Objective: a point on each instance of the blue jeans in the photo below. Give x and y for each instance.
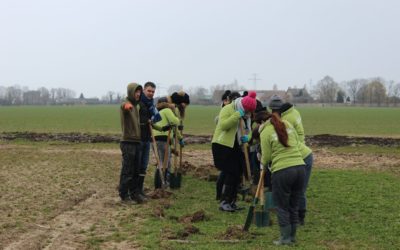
(161, 146)
(145, 156)
(303, 199)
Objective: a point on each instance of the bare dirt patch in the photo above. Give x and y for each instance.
(195, 217)
(182, 234)
(326, 159)
(314, 140)
(56, 200)
(235, 233)
(159, 194)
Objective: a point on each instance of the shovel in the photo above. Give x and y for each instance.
(176, 177)
(250, 214)
(159, 181)
(245, 189)
(162, 175)
(261, 215)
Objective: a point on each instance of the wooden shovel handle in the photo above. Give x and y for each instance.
(176, 145)
(154, 145)
(180, 147)
(245, 151)
(155, 150)
(166, 155)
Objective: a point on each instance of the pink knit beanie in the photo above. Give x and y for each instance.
(249, 102)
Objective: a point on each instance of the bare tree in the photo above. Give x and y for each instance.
(110, 95)
(44, 95)
(353, 87)
(14, 95)
(362, 93)
(377, 92)
(53, 93)
(327, 89)
(390, 88)
(2, 92)
(396, 93)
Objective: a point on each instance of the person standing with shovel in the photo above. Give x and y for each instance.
(226, 150)
(280, 146)
(148, 115)
(167, 123)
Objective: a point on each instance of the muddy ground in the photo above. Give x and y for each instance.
(314, 140)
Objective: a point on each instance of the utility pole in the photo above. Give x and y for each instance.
(255, 79)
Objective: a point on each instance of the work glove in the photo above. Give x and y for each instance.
(259, 156)
(182, 142)
(180, 127)
(166, 128)
(128, 106)
(244, 138)
(241, 112)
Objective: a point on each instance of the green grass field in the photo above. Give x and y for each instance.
(199, 120)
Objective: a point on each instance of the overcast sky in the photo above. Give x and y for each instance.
(94, 46)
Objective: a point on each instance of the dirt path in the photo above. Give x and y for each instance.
(65, 231)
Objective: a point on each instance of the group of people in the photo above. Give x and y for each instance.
(142, 119)
(276, 140)
(277, 144)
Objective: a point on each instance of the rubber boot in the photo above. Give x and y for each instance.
(140, 186)
(285, 238)
(226, 200)
(302, 215)
(293, 233)
(134, 192)
(136, 197)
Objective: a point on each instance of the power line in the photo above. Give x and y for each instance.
(255, 79)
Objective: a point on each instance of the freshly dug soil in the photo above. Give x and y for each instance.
(195, 217)
(314, 140)
(235, 233)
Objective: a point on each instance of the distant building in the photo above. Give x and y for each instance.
(265, 95)
(80, 101)
(298, 95)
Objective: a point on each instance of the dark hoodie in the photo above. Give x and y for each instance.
(130, 121)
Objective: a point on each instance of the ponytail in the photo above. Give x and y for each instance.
(280, 129)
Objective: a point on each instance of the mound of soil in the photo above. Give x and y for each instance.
(188, 230)
(315, 140)
(195, 217)
(339, 141)
(158, 210)
(235, 233)
(159, 194)
(168, 233)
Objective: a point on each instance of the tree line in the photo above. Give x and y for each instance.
(372, 92)
(16, 95)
